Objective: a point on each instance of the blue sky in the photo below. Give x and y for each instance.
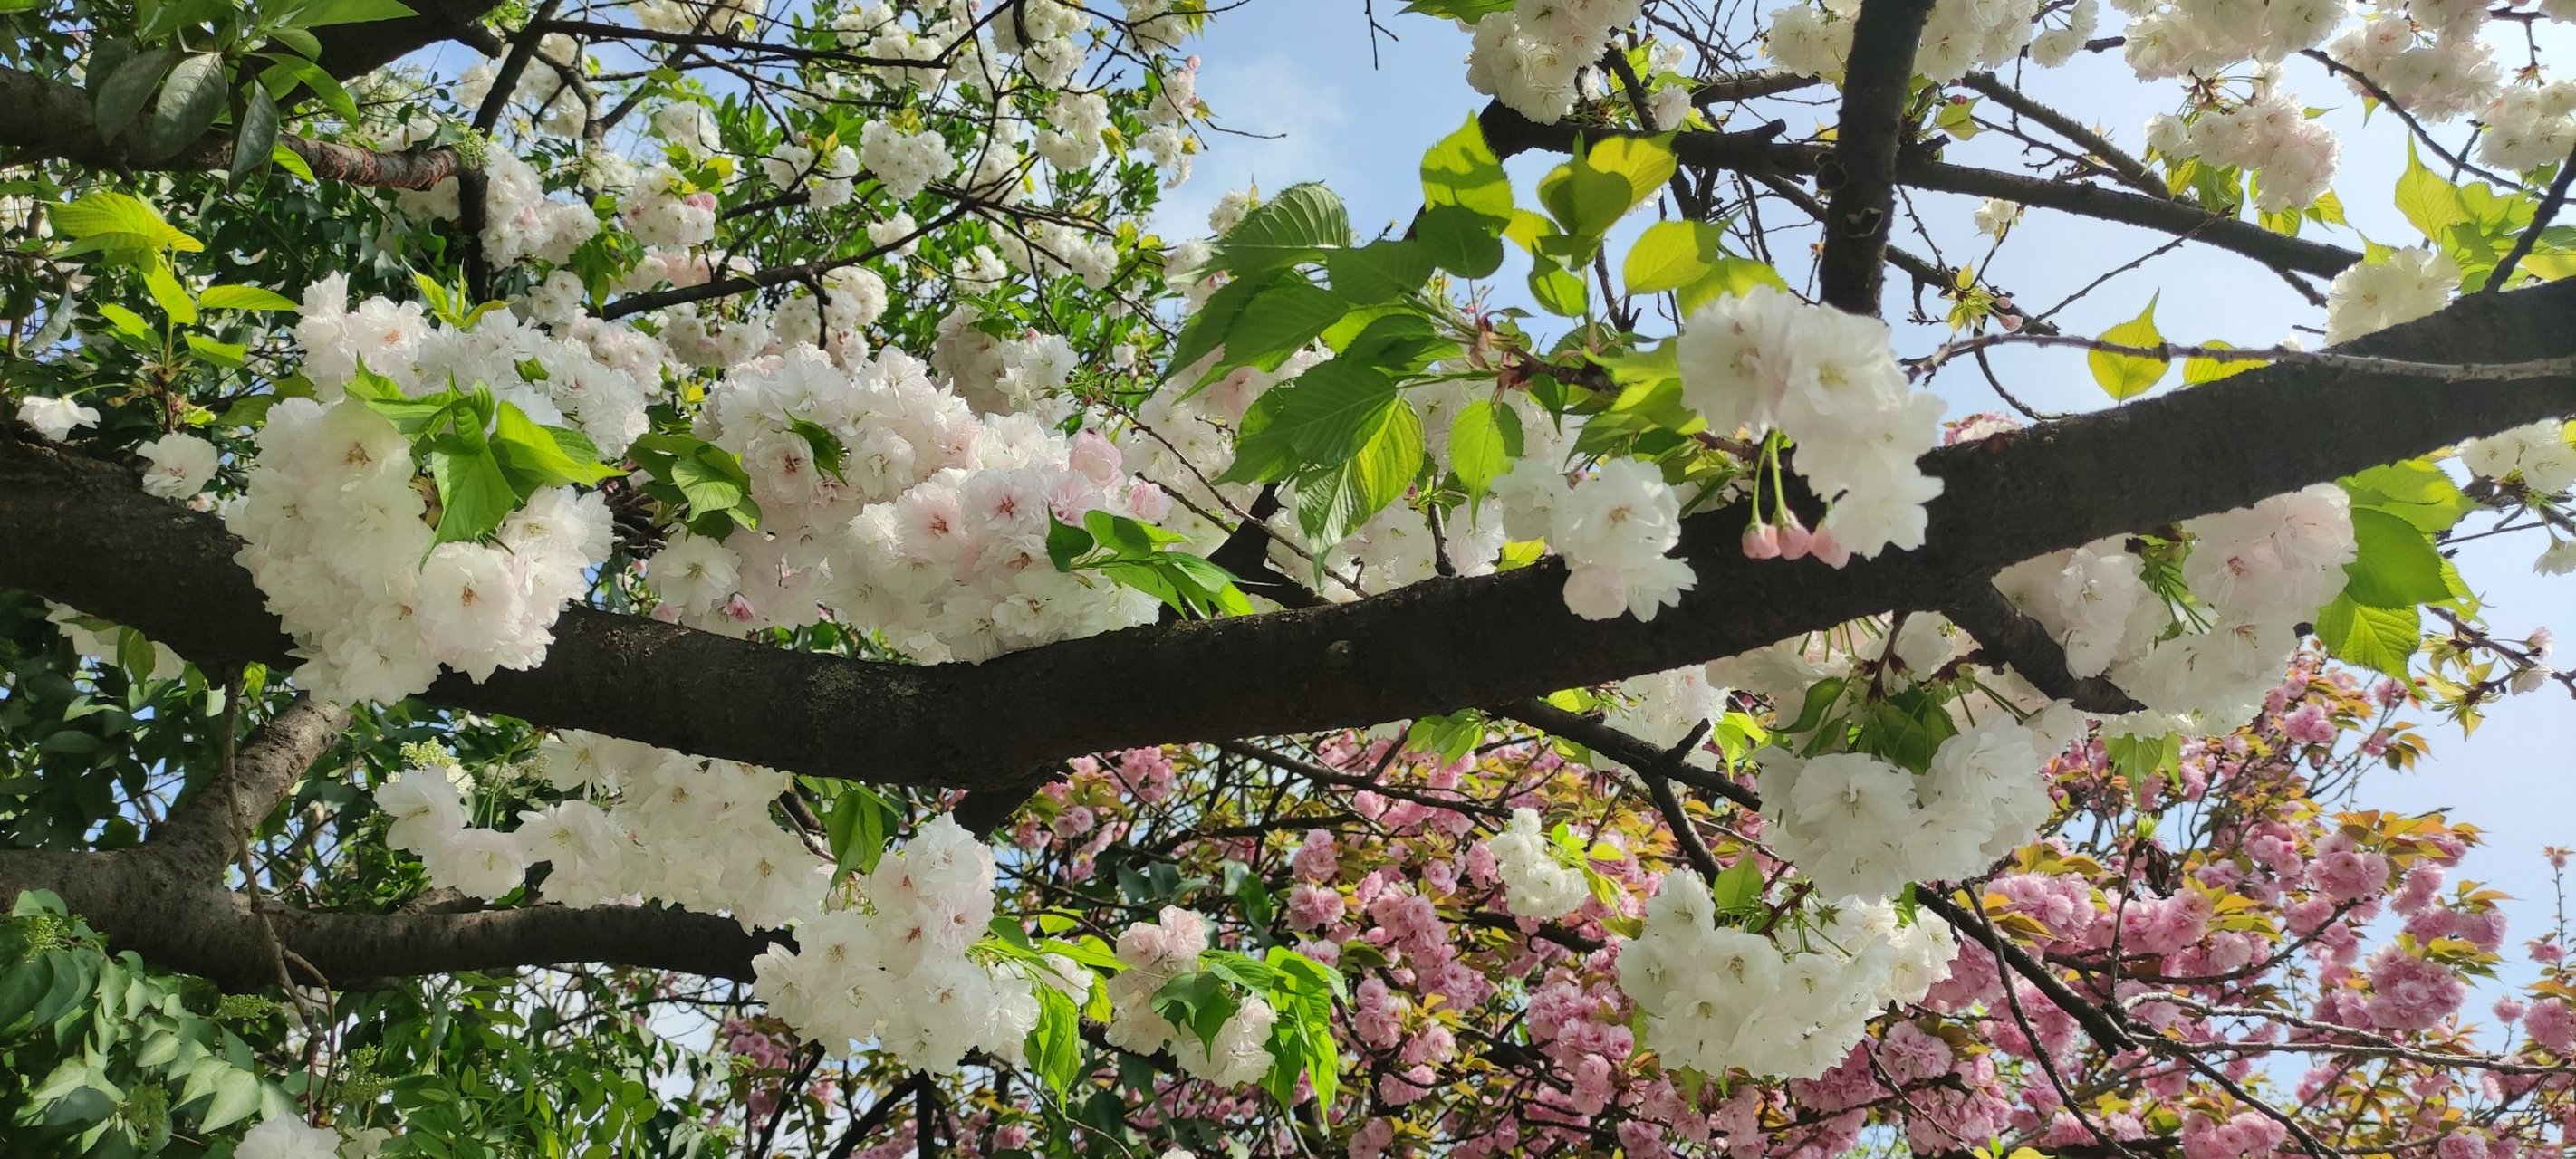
(1296, 75)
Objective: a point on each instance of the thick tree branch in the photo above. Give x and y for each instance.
(144, 900)
(48, 119)
(350, 49)
(83, 532)
(202, 834)
(2008, 636)
(1859, 176)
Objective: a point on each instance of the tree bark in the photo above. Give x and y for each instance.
(82, 532)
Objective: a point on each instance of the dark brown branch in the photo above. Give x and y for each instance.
(1756, 151)
(1746, 86)
(201, 833)
(2541, 215)
(2099, 1024)
(2115, 160)
(84, 533)
(1859, 177)
(50, 120)
(142, 900)
(778, 276)
(2008, 636)
(1624, 748)
(350, 49)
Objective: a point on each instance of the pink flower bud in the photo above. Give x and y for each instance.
(1795, 540)
(1762, 541)
(1825, 547)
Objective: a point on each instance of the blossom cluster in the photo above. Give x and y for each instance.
(1528, 56)
(1615, 528)
(335, 531)
(1858, 825)
(2370, 296)
(1764, 361)
(1716, 998)
(931, 528)
(596, 375)
(1960, 37)
(2254, 573)
(2293, 156)
(1157, 952)
(1536, 884)
(898, 972)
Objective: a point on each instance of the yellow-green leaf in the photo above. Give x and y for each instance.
(2199, 369)
(2126, 376)
(1670, 255)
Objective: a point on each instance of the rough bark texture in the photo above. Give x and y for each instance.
(45, 118)
(167, 899)
(79, 531)
(205, 827)
(53, 120)
(146, 902)
(1861, 191)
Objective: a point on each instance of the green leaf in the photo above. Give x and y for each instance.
(1585, 201)
(2415, 490)
(1670, 255)
(322, 13)
(2200, 369)
(2431, 204)
(243, 298)
(1462, 171)
(1906, 729)
(236, 1097)
(1731, 276)
(533, 457)
(1738, 887)
(297, 70)
(1820, 700)
(1280, 320)
(711, 480)
(299, 42)
(189, 100)
(1065, 543)
(1484, 440)
(474, 494)
(126, 321)
(1460, 240)
(120, 97)
(1207, 329)
(1054, 1044)
(2126, 376)
(127, 229)
(1286, 229)
(1645, 163)
(857, 828)
(2381, 639)
(1561, 291)
(2395, 564)
(1328, 413)
(285, 158)
(1381, 271)
(256, 137)
(1336, 501)
(1198, 1002)
(1127, 537)
(230, 355)
(168, 293)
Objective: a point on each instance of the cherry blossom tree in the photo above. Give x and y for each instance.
(699, 577)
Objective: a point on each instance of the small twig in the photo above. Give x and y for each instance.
(2540, 218)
